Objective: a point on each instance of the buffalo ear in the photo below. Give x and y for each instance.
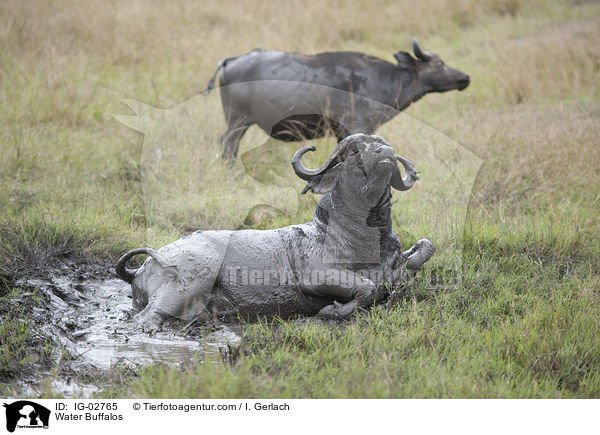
(324, 182)
(405, 60)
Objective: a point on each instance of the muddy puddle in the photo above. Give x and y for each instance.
(93, 320)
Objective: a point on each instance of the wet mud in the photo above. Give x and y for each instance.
(91, 321)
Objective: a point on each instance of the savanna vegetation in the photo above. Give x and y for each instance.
(523, 321)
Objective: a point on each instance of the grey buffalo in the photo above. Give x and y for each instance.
(339, 262)
(294, 96)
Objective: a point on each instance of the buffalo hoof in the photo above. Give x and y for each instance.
(149, 322)
(419, 254)
(337, 311)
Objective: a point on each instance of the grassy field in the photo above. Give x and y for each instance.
(522, 322)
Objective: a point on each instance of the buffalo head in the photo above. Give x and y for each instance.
(362, 167)
(431, 71)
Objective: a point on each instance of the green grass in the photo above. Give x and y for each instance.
(24, 349)
(520, 324)
(76, 186)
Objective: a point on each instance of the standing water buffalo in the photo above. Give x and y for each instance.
(329, 267)
(294, 96)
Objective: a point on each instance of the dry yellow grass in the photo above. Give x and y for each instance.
(563, 60)
(139, 31)
(530, 113)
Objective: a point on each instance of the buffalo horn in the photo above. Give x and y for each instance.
(304, 173)
(409, 179)
(418, 52)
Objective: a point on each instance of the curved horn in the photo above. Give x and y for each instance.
(420, 54)
(407, 182)
(304, 173)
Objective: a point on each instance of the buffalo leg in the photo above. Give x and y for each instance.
(348, 290)
(180, 289)
(230, 140)
(184, 297)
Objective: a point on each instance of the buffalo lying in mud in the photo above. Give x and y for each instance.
(269, 88)
(329, 267)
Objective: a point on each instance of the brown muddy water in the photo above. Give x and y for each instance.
(93, 321)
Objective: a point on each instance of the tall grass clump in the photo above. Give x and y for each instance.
(23, 347)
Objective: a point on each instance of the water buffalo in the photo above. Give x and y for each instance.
(329, 267)
(350, 93)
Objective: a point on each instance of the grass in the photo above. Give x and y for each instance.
(78, 186)
(521, 324)
(23, 348)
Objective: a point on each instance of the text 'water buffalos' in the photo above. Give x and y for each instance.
(269, 88)
(330, 267)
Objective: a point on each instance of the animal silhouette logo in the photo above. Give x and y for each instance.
(187, 185)
(26, 414)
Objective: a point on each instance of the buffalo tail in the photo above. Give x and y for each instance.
(125, 274)
(211, 83)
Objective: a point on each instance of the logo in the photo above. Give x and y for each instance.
(26, 414)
